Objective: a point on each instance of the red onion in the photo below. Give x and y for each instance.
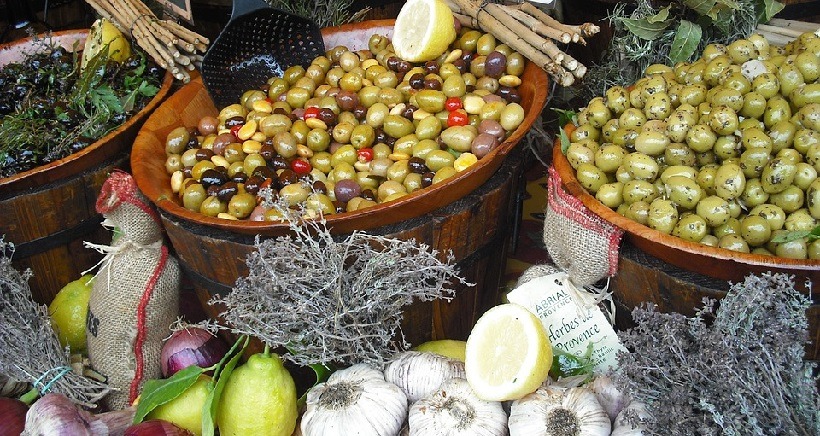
(191, 346)
(156, 427)
(12, 416)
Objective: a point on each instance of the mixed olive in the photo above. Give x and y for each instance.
(723, 151)
(353, 129)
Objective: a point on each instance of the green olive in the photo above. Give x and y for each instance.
(590, 177)
(438, 159)
(782, 135)
(766, 84)
(723, 120)
(790, 199)
(773, 214)
(753, 161)
(362, 136)
(809, 116)
(598, 113)
(790, 79)
(512, 116)
(677, 126)
(430, 100)
(804, 175)
(398, 171)
(729, 181)
(641, 166)
(632, 119)
(706, 178)
(678, 170)
(777, 175)
(700, 138)
(714, 210)
(795, 249)
(318, 139)
(611, 194)
(805, 94)
(777, 110)
(733, 242)
(609, 157)
(428, 128)
(344, 154)
(662, 215)
(424, 147)
(617, 100)
(443, 174)
(800, 220)
(727, 97)
(321, 161)
(813, 199)
(585, 131)
(677, 153)
(809, 65)
(755, 138)
(397, 126)
(212, 207)
(683, 191)
(459, 138)
(755, 230)
(492, 110)
(741, 50)
(176, 140)
(638, 190)
(608, 131)
(580, 152)
(726, 147)
(715, 68)
(738, 82)
(658, 106)
(193, 195)
(754, 195)
(754, 105)
(690, 227)
(638, 212)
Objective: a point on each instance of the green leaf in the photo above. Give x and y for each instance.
(158, 392)
(687, 39)
(565, 117)
(645, 29)
(796, 235)
(731, 4)
(221, 375)
(566, 364)
(769, 10)
(661, 16)
(702, 7)
(564, 141)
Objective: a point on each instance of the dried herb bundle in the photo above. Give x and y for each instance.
(29, 348)
(737, 370)
(324, 12)
(334, 302)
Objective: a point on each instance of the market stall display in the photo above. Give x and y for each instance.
(50, 207)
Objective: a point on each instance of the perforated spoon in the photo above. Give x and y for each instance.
(258, 42)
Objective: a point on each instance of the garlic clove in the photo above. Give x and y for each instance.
(419, 374)
(455, 410)
(630, 421)
(356, 400)
(558, 411)
(612, 400)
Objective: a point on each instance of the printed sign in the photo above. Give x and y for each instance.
(571, 318)
(180, 8)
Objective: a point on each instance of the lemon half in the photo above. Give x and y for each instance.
(508, 354)
(423, 30)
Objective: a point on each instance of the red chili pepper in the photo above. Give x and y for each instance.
(312, 112)
(458, 118)
(300, 166)
(452, 104)
(235, 129)
(365, 154)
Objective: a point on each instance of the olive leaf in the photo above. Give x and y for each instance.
(702, 7)
(222, 372)
(731, 4)
(687, 39)
(651, 27)
(769, 10)
(158, 392)
(796, 235)
(567, 364)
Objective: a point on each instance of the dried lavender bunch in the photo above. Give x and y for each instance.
(29, 348)
(737, 370)
(334, 302)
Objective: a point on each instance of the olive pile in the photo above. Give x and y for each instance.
(351, 130)
(723, 151)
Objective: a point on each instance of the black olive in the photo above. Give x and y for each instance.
(427, 179)
(368, 194)
(287, 177)
(253, 183)
(320, 187)
(279, 163)
(264, 173)
(416, 81)
(81, 143)
(417, 165)
(495, 65)
(212, 177)
(226, 191)
(431, 66)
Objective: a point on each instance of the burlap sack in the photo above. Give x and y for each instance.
(579, 242)
(135, 295)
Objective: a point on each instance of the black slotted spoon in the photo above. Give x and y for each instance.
(257, 43)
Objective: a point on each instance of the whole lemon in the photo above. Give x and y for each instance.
(68, 311)
(185, 411)
(259, 399)
(446, 347)
(103, 34)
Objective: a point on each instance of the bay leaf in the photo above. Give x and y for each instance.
(686, 41)
(644, 29)
(225, 370)
(770, 9)
(158, 392)
(702, 7)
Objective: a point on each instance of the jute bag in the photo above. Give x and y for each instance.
(135, 297)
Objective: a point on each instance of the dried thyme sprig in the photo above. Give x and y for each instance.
(737, 370)
(29, 348)
(334, 302)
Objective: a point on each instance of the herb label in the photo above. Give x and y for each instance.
(572, 319)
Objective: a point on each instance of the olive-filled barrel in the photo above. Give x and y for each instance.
(48, 211)
(471, 214)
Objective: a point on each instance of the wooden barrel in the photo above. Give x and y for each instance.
(676, 274)
(476, 229)
(48, 211)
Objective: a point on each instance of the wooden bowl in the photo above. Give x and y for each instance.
(192, 102)
(718, 263)
(48, 211)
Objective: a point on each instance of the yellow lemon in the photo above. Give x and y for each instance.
(68, 311)
(104, 34)
(423, 30)
(259, 399)
(185, 411)
(446, 347)
(508, 354)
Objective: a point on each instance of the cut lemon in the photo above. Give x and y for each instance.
(423, 30)
(508, 354)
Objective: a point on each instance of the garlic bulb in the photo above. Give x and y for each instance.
(557, 411)
(635, 411)
(612, 400)
(356, 400)
(419, 374)
(454, 410)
